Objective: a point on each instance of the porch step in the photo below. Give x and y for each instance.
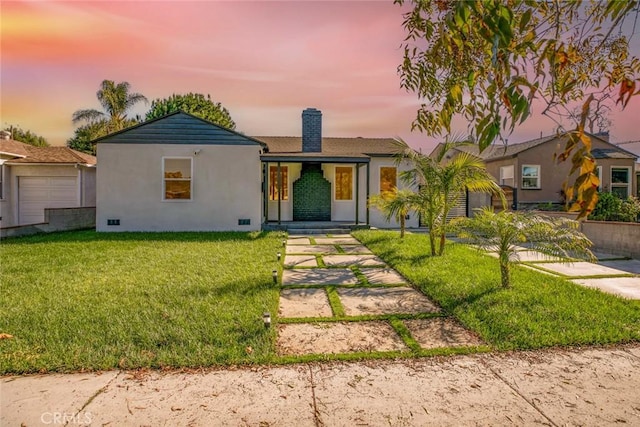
(319, 230)
(314, 227)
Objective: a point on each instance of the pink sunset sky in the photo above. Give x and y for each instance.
(264, 61)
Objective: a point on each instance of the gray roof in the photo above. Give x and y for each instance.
(178, 128)
(290, 147)
(611, 153)
(501, 151)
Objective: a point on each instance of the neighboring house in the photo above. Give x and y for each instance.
(530, 169)
(35, 178)
(182, 173)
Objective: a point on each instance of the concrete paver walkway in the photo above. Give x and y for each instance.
(610, 273)
(594, 387)
(362, 285)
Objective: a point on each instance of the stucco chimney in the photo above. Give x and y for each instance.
(311, 130)
(5, 134)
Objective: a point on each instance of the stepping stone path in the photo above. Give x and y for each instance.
(337, 297)
(611, 273)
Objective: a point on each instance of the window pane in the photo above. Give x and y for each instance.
(506, 172)
(177, 168)
(273, 182)
(388, 179)
(177, 179)
(530, 171)
(619, 176)
(621, 192)
(344, 181)
(178, 190)
(529, 182)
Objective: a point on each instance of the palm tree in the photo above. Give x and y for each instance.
(501, 232)
(116, 100)
(442, 181)
(395, 204)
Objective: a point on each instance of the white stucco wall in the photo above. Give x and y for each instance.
(376, 219)
(226, 187)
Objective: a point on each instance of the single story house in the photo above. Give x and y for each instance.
(183, 173)
(35, 178)
(536, 178)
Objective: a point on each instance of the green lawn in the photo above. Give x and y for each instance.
(83, 300)
(538, 311)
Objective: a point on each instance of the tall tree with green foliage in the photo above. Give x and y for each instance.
(194, 103)
(26, 136)
(505, 230)
(85, 135)
(117, 100)
(442, 182)
(396, 204)
(488, 61)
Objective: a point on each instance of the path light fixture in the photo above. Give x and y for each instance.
(266, 318)
(284, 243)
(274, 274)
(279, 254)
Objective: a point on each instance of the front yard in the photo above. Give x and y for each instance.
(88, 301)
(83, 300)
(537, 311)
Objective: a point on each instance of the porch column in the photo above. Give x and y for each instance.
(357, 192)
(265, 191)
(279, 193)
(368, 186)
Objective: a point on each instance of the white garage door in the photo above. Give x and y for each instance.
(35, 193)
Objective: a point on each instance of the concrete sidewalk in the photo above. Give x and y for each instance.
(592, 387)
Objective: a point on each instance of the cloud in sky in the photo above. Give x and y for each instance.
(265, 61)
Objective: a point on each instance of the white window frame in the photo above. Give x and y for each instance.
(380, 177)
(628, 185)
(164, 192)
(522, 177)
(512, 177)
(335, 186)
(599, 175)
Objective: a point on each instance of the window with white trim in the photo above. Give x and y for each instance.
(506, 175)
(177, 183)
(344, 183)
(621, 181)
(530, 177)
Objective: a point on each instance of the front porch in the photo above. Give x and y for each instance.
(314, 227)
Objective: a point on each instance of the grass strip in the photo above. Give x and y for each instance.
(362, 279)
(404, 333)
(334, 301)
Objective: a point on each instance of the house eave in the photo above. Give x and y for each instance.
(319, 158)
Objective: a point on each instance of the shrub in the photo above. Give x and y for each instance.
(612, 208)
